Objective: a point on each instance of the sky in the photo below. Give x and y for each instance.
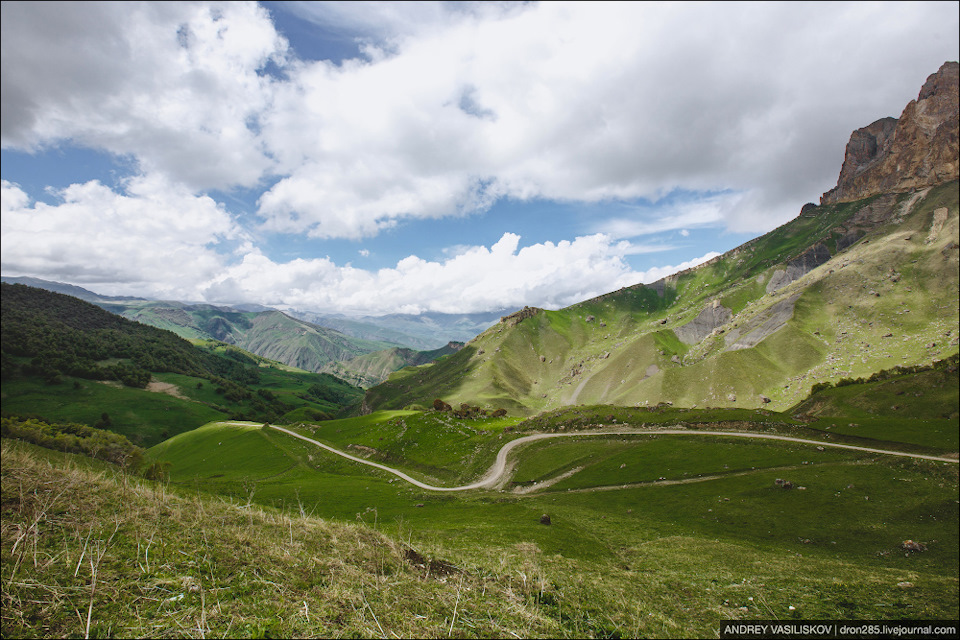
(380, 157)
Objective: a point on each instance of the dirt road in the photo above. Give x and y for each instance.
(497, 473)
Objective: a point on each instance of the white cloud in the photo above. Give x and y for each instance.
(477, 278)
(455, 106)
(154, 234)
(680, 214)
(145, 239)
(587, 102)
(466, 103)
(377, 22)
(656, 273)
(175, 84)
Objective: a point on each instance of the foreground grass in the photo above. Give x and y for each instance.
(86, 550)
(91, 552)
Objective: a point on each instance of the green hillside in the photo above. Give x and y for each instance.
(277, 336)
(373, 368)
(843, 291)
(271, 334)
(64, 359)
(255, 533)
(633, 518)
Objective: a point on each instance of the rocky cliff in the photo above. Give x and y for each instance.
(920, 149)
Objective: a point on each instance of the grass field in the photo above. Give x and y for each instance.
(259, 534)
(717, 528)
(145, 417)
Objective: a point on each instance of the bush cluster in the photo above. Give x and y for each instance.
(466, 410)
(74, 438)
(947, 364)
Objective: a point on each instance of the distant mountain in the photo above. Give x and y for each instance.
(261, 330)
(68, 359)
(426, 331)
(373, 368)
(302, 339)
(66, 289)
(271, 334)
(864, 282)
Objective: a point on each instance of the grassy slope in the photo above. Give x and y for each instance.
(150, 416)
(816, 549)
(89, 552)
(143, 416)
(174, 402)
(915, 409)
(279, 337)
(270, 334)
(200, 322)
(620, 348)
(655, 559)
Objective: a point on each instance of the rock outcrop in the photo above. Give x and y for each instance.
(713, 315)
(799, 266)
(920, 149)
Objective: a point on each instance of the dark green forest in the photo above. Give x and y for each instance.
(54, 338)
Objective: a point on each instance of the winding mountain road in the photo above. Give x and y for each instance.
(495, 474)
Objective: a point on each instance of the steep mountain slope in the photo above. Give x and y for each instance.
(69, 360)
(846, 289)
(373, 368)
(277, 336)
(271, 334)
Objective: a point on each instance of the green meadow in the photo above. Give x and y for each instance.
(255, 533)
(630, 515)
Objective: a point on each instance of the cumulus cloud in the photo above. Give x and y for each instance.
(476, 278)
(177, 85)
(155, 238)
(375, 23)
(689, 115)
(591, 102)
(457, 105)
(153, 234)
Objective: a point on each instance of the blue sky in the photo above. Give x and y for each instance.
(409, 156)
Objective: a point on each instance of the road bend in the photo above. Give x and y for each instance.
(498, 469)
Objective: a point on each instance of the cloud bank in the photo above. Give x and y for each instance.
(448, 109)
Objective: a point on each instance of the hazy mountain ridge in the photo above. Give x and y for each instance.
(373, 368)
(268, 333)
(307, 340)
(64, 288)
(426, 331)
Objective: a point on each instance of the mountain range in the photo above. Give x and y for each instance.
(807, 470)
(864, 281)
(306, 340)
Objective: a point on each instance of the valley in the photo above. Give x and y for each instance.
(773, 434)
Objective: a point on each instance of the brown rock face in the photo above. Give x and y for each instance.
(918, 150)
